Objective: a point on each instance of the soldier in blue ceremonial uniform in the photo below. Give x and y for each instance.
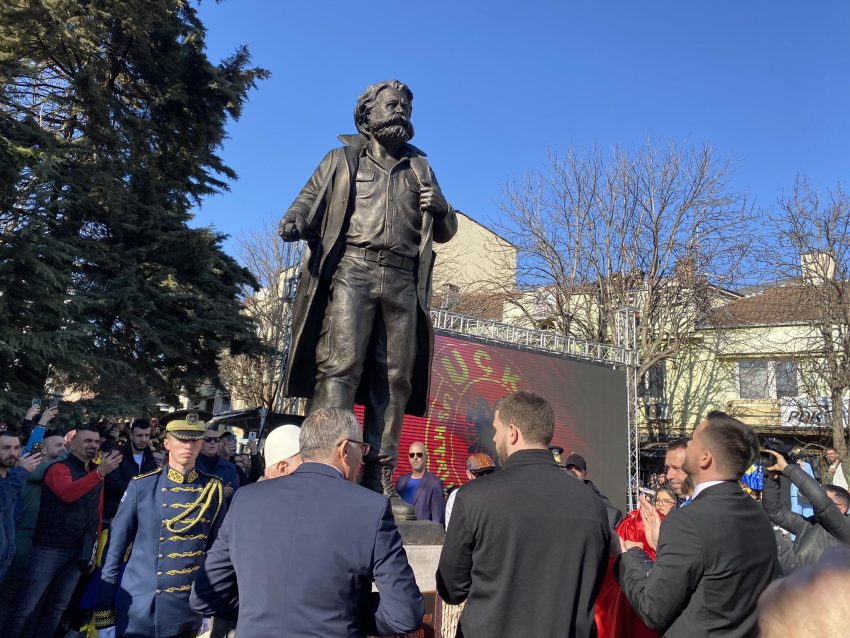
(170, 517)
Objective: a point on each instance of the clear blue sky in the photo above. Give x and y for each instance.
(767, 83)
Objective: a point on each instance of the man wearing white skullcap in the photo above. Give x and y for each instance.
(281, 451)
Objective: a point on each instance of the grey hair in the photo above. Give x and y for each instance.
(324, 429)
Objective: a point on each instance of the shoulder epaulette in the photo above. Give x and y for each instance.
(147, 474)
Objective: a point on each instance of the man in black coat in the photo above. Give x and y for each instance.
(814, 534)
(577, 466)
(715, 557)
(298, 556)
(528, 545)
(136, 459)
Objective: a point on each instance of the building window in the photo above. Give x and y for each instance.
(767, 379)
(786, 379)
(652, 390)
(547, 325)
(653, 382)
(753, 379)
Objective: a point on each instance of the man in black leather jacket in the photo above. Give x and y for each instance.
(829, 526)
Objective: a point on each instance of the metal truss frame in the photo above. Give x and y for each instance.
(540, 340)
(624, 353)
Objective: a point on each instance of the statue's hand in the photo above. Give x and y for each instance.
(291, 226)
(431, 201)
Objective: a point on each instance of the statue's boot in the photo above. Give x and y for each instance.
(379, 478)
(402, 510)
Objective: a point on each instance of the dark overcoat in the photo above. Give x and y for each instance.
(526, 549)
(324, 203)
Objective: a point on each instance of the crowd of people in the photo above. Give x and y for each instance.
(61, 503)
(103, 538)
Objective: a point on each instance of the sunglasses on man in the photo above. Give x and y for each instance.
(416, 455)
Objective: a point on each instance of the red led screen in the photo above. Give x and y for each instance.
(468, 378)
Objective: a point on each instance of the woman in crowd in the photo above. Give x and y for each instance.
(615, 617)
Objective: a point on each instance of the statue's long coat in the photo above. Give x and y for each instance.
(323, 202)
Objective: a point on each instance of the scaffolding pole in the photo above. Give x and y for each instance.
(627, 339)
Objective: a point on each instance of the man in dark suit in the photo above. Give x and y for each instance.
(528, 546)
(577, 466)
(297, 557)
(422, 489)
(715, 557)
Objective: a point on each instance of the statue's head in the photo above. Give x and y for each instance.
(383, 112)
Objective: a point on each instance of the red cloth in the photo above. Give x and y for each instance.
(60, 482)
(615, 617)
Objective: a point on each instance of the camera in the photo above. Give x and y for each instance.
(785, 450)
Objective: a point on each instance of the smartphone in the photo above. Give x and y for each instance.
(647, 492)
(54, 403)
(36, 437)
(37, 448)
(36, 403)
(252, 436)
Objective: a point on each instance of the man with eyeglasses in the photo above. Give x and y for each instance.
(210, 462)
(298, 557)
(422, 489)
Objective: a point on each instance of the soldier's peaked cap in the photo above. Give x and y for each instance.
(186, 425)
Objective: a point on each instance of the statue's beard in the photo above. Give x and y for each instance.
(392, 130)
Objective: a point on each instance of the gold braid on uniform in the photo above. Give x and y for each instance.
(104, 618)
(212, 491)
(200, 552)
(190, 537)
(185, 570)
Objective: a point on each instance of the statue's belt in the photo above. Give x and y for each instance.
(382, 257)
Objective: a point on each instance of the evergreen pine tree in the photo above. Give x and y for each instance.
(111, 119)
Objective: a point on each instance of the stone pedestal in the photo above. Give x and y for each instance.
(423, 541)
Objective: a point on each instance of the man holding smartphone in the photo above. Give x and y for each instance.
(136, 458)
(50, 449)
(14, 470)
(65, 535)
(827, 527)
(28, 426)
